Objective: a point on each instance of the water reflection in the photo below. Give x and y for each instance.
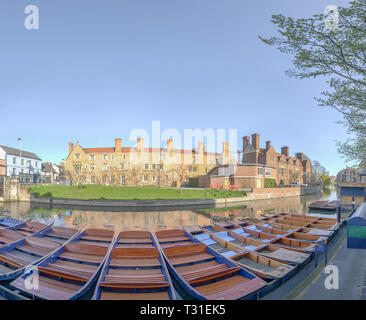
(154, 220)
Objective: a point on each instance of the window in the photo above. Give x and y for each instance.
(154, 166)
(123, 179)
(146, 166)
(105, 157)
(122, 166)
(124, 157)
(92, 179)
(36, 163)
(92, 166)
(112, 156)
(14, 171)
(268, 171)
(194, 169)
(14, 160)
(22, 162)
(28, 163)
(105, 167)
(92, 157)
(271, 158)
(86, 166)
(112, 179)
(161, 167)
(77, 155)
(282, 171)
(105, 179)
(260, 171)
(190, 168)
(153, 178)
(146, 178)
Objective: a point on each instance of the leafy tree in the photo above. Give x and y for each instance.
(336, 51)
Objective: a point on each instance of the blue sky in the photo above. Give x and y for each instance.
(96, 70)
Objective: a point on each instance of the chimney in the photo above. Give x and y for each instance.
(140, 144)
(285, 151)
(71, 146)
(246, 142)
(300, 156)
(268, 144)
(201, 147)
(255, 141)
(118, 145)
(225, 148)
(170, 145)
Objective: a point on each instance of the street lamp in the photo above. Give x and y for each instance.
(20, 154)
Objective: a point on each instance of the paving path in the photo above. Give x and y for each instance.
(351, 264)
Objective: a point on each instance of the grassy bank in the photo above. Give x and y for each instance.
(101, 192)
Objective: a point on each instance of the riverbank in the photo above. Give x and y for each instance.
(188, 197)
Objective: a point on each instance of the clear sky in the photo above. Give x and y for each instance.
(96, 70)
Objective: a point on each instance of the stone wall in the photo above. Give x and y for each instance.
(12, 190)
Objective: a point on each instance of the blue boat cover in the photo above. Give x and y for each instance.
(221, 234)
(251, 247)
(245, 234)
(238, 231)
(267, 225)
(229, 254)
(208, 242)
(265, 240)
(253, 227)
(202, 236)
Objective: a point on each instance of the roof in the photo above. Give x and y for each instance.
(16, 152)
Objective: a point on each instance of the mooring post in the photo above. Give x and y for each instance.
(338, 212)
(326, 255)
(353, 203)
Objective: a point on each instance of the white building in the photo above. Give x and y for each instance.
(21, 164)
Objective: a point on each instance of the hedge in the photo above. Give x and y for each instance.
(270, 183)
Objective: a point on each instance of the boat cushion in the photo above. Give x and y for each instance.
(228, 238)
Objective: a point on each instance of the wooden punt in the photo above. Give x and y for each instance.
(68, 273)
(272, 224)
(134, 271)
(251, 233)
(8, 236)
(285, 233)
(59, 234)
(293, 244)
(140, 238)
(204, 274)
(264, 267)
(174, 237)
(308, 220)
(269, 249)
(19, 255)
(316, 232)
(30, 227)
(331, 220)
(7, 222)
(102, 237)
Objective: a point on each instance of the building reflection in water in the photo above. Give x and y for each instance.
(155, 220)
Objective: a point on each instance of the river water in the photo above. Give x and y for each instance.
(155, 219)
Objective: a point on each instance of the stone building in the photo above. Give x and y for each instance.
(141, 165)
(260, 164)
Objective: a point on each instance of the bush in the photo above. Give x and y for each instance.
(193, 182)
(270, 183)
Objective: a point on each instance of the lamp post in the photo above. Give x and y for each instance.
(20, 154)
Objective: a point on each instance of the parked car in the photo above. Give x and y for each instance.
(295, 184)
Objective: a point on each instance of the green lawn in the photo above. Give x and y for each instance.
(101, 192)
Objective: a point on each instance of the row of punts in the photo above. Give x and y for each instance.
(241, 259)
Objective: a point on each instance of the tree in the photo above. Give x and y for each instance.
(336, 51)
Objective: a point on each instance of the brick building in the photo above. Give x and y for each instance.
(141, 165)
(258, 164)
